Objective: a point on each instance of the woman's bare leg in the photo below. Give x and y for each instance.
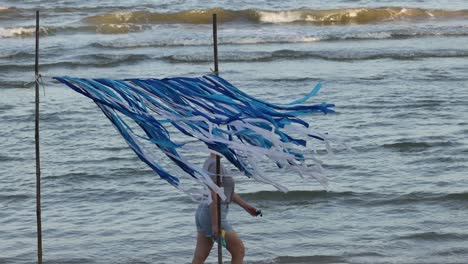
(235, 247)
(202, 250)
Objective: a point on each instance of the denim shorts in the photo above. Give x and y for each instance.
(203, 219)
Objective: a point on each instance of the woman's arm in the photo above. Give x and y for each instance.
(242, 203)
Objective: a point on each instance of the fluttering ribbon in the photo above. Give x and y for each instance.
(231, 123)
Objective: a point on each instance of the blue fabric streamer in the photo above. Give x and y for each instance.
(230, 122)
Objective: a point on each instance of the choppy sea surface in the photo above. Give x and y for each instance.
(396, 70)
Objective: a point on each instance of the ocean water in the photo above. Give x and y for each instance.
(396, 70)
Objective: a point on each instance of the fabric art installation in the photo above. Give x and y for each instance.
(242, 129)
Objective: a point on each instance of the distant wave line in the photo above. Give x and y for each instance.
(367, 198)
(437, 236)
(51, 30)
(94, 60)
(323, 55)
(124, 28)
(317, 17)
(407, 146)
(280, 39)
(112, 60)
(14, 197)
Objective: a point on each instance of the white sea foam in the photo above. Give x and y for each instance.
(353, 13)
(119, 28)
(367, 35)
(16, 32)
(279, 17)
(306, 39)
(272, 39)
(402, 13)
(3, 8)
(124, 16)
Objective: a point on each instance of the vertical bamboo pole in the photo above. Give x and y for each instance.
(218, 158)
(38, 162)
(215, 44)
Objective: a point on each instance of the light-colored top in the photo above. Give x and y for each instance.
(227, 182)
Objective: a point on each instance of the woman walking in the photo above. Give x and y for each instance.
(206, 218)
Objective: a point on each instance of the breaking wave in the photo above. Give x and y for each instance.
(119, 28)
(205, 42)
(271, 39)
(127, 27)
(113, 60)
(24, 32)
(44, 31)
(318, 17)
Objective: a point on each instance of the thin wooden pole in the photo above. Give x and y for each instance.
(218, 158)
(215, 44)
(38, 162)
